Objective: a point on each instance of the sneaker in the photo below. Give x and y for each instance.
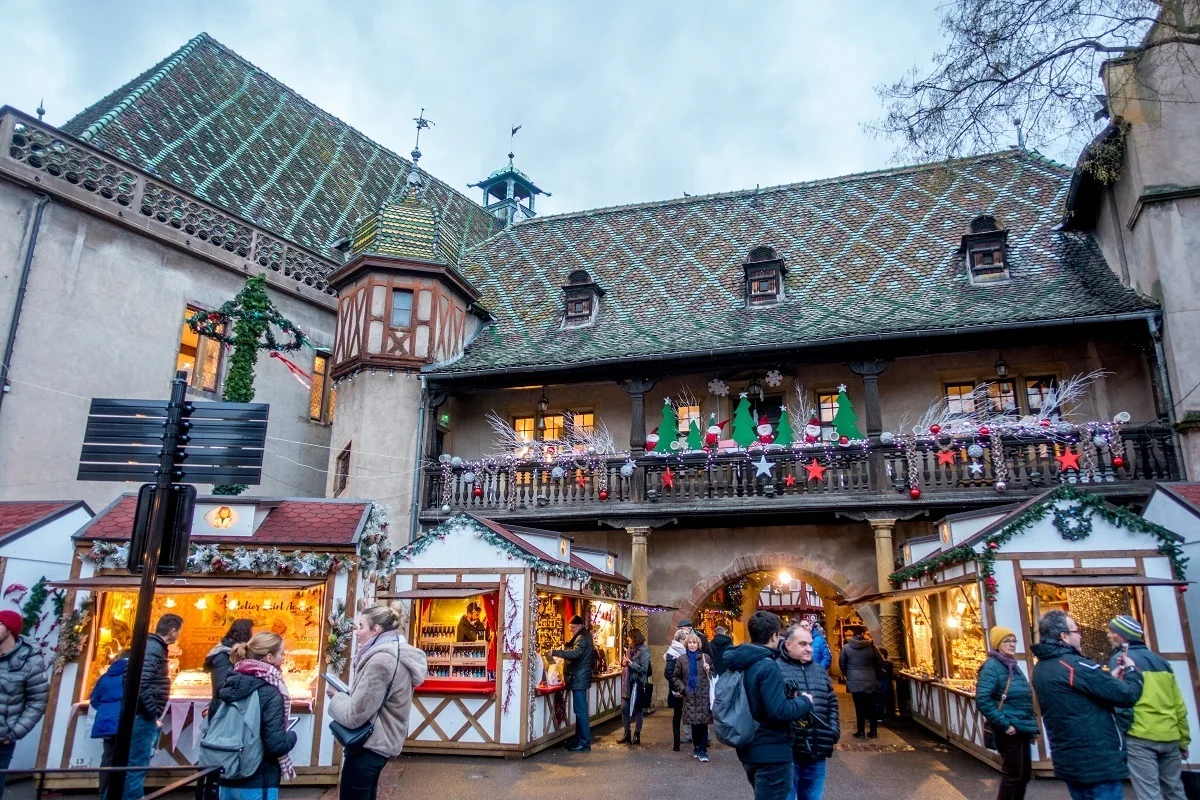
(695, 753)
(580, 748)
(703, 758)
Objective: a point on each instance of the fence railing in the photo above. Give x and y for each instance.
(203, 779)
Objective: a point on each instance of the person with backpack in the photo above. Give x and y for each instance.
(814, 736)
(217, 663)
(674, 651)
(860, 663)
(105, 701)
(153, 695)
(753, 712)
(690, 679)
(386, 671)
(1005, 701)
(255, 707)
(634, 685)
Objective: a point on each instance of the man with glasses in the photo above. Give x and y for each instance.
(1077, 698)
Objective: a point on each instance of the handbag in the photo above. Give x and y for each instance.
(353, 739)
(989, 735)
(645, 695)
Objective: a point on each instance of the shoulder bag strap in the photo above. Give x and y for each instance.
(1004, 696)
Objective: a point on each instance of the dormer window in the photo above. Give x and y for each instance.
(764, 277)
(581, 296)
(985, 249)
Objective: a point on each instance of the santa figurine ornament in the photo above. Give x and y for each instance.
(765, 437)
(712, 434)
(651, 440)
(812, 431)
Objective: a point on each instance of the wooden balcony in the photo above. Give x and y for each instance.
(853, 478)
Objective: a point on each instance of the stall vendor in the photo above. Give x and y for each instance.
(470, 626)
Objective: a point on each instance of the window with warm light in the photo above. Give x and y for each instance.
(583, 423)
(321, 395)
(827, 408)
(1039, 391)
(525, 428)
(960, 398)
(1002, 397)
(687, 415)
(200, 357)
(554, 427)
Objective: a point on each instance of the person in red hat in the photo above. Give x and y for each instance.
(24, 687)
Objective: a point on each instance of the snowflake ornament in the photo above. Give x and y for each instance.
(718, 387)
(774, 378)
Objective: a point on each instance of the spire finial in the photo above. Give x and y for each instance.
(41, 112)
(512, 134)
(414, 177)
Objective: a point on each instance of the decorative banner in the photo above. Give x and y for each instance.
(302, 377)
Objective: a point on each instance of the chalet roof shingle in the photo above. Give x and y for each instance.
(19, 515)
(875, 253)
(220, 128)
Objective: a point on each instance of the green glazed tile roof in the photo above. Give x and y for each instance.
(874, 253)
(222, 129)
(406, 228)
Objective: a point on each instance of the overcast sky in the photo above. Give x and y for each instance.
(621, 102)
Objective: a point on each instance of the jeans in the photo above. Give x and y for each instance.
(360, 775)
(864, 708)
(583, 723)
(809, 783)
(631, 714)
(142, 745)
(1110, 790)
(700, 738)
(770, 781)
(6, 754)
(230, 793)
(1015, 766)
(1155, 769)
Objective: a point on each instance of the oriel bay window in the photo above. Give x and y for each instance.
(200, 357)
(322, 395)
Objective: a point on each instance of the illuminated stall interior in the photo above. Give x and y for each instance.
(1091, 606)
(553, 631)
(945, 635)
(458, 635)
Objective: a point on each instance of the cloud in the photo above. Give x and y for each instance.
(621, 102)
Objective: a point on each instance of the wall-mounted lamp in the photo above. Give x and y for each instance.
(754, 390)
(543, 404)
(1002, 367)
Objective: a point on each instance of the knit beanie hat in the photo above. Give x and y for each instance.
(576, 620)
(997, 635)
(13, 621)
(1126, 626)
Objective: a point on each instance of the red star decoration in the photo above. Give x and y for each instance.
(946, 457)
(1067, 460)
(581, 480)
(790, 480)
(668, 479)
(815, 471)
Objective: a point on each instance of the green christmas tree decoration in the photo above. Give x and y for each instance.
(695, 441)
(668, 429)
(743, 423)
(783, 431)
(252, 314)
(845, 422)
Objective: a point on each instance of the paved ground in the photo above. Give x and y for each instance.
(904, 762)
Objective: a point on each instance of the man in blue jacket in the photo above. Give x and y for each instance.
(768, 758)
(822, 656)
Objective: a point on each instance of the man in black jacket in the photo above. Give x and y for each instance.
(720, 643)
(152, 701)
(581, 657)
(814, 736)
(1078, 700)
(860, 664)
(768, 758)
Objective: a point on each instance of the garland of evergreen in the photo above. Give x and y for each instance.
(72, 634)
(1073, 524)
(208, 558)
(341, 625)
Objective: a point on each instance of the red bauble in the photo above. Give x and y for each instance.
(1183, 588)
(984, 431)
(843, 440)
(993, 545)
(914, 493)
(1118, 462)
(935, 429)
(603, 494)
(1045, 423)
(477, 491)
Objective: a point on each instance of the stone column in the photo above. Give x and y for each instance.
(638, 590)
(889, 620)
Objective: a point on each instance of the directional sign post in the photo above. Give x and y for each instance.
(168, 443)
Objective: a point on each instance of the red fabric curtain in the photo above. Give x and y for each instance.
(490, 601)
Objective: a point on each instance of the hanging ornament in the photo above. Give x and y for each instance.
(1001, 486)
(946, 457)
(557, 473)
(446, 508)
(935, 429)
(668, 479)
(1099, 441)
(718, 387)
(914, 493)
(762, 467)
(774, 378)
(816, 472)
(477, 491)
(843, 440)
(603, 494)
(984, 430)
(591, 450)
(976, 451)
(1067, 460)
(887, 438)
(1118, 462)
(1044, 423)
(468, 477)
(455, 462)
(789, 480)
(627, 469)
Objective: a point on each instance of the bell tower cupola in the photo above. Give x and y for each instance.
(508, 193)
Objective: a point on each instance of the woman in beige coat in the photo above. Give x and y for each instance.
(386, 670)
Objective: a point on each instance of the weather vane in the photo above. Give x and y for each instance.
(515, 128)
(421, 123)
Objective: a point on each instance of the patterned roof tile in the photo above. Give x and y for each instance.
(16, 516)
(875, 253)
(220, 128)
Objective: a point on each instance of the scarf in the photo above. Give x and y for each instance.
(693, 670)
(675, 650)
(271, 674)
(383, 638)
(1011, 663)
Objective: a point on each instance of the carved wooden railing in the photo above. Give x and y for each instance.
(849, 473)
(37, 152)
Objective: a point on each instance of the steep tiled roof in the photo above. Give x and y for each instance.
(310, 523)
(222, 129)
(866, 254)
(406, 227)
(16, 516)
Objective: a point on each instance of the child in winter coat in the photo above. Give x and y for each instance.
(105, 700)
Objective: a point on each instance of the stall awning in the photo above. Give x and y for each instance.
(901, 594)
(1115, 581)
(450, 591)
(171, 583)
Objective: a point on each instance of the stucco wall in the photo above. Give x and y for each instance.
(102, 317)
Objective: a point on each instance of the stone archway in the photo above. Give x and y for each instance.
(821, 576)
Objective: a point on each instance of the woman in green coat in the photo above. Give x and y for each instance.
(1005, 699)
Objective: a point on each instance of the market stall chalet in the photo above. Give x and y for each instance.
(489, 691)
(291, 566)
(1065, 549)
